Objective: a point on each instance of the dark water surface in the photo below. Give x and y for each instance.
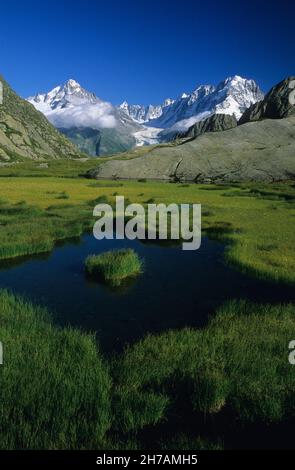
(177, 289)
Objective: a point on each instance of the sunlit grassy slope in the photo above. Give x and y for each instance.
(256, 220)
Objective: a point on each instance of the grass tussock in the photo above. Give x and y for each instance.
(114, 266)
(57, 392)
(236, 370)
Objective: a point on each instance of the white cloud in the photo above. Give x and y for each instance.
(96, 116)
(185, 124)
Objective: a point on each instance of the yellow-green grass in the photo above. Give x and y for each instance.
(63, 168)
(255, 220)
(114, 266)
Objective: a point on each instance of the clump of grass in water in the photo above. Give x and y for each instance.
(251, 220)
(114, 266)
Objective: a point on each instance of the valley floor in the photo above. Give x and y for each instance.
(255, 220)
(232, 374)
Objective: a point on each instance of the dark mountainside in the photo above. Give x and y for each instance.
(101, 142)
(215, 123)
(275, 105)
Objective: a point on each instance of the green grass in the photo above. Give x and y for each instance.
(254, 220)
(236, 370)
(114, 266)
(55, 386)
(55, 168)
(57, 391)
(63, 195)
(28, 229)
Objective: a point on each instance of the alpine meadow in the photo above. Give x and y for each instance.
(147, 211)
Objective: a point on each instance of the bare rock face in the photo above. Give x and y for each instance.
(256, 151)
(215, 123)
(275, 105)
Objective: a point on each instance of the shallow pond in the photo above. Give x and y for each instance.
(177, 289)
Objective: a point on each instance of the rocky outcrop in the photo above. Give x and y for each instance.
(214, 123)
(275, 105)
(257, 151)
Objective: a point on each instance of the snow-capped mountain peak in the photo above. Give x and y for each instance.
(236, 94)
(72, 84)
(200, 92)
(69, 94)
(141, 114)
(167, 102)
(136, 112)
(124, 105)
(231, 96)
(69, 106)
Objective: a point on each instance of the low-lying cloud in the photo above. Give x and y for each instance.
(96, 116)
(185, 124)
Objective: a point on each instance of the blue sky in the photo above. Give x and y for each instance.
(144, 51)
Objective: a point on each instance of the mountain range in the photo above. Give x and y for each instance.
(221, 145)
(99, 128)
(231, 96)
(259, 147)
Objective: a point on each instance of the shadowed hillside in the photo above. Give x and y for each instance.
(26, 133)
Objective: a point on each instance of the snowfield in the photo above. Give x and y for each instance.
(147, 136)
